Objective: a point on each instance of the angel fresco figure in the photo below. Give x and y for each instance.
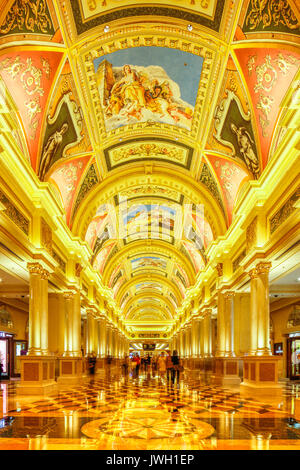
(128, 90)
(50, 148)
(245, 143)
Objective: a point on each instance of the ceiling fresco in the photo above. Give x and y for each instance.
(268, 72)
(153, 149)
(148, 84)
(148, 120)
(35, 19)
(28, 74)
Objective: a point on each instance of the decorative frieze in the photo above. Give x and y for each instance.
(237, 261)
(59, 260)
(251, 235)
(284, 212)
(14, 214)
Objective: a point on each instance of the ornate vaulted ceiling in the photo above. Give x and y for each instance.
(134, 112)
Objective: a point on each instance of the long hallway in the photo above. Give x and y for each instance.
(149, 413)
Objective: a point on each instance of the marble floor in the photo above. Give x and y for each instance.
(148, 413)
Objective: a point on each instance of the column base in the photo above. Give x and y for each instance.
(37, 375)
(70, 370)
(226, 371)
(43, 389)
(261, 372)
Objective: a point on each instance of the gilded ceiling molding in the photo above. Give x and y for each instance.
(162, 281)
(154, 301)
(145, 41)
(168, 178)
(141, 248)
(168, 313)
(83, 16)
(28, 17)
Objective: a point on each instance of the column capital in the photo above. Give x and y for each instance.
(229, 294)
(37, 268)
(68, 295)
(263, 267)
(253, 273)
(45, 275)
(207, 312)
(91, 312)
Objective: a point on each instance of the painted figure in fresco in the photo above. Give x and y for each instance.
(135, 92)
(245, 143)
(50, 148)
(127, 92)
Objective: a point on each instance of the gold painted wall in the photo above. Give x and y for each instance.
(280, 332)
(19, 318)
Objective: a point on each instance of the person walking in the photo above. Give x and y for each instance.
(169, 365)
(161, 365)
(92, 365)
(126, 365)
(138, 364)
(177, 366)
(153, 365)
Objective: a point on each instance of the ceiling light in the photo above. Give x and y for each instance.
(189, 27)
(106, 29)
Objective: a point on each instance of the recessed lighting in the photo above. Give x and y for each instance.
(189, 27)
(106, 29)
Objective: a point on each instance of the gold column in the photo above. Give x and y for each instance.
(194, 338)
(70, 362)
(220, 327)
(103, 337)
(38, 310)
(116, 343)
(44, 313)
(263, 318)
(68, 296)
(188, 341)
(76, 329)
(90, 331)
(61, 323)
(38, 367)
(207, 333)
(253, 312)
(109, 339)
(201, 338)
(260, 310)
(229, 323)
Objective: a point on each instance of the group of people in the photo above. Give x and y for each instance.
(164, 365)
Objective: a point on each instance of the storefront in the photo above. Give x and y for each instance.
(6, 354)
(293, 356)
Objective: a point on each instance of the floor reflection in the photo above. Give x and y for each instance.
(146, 412)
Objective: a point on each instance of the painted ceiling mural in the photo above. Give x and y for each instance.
(66, 178)
(149, 103)
(65, 131)
(28, 75)
(268, 72)
(148, 84)
(35, 18)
